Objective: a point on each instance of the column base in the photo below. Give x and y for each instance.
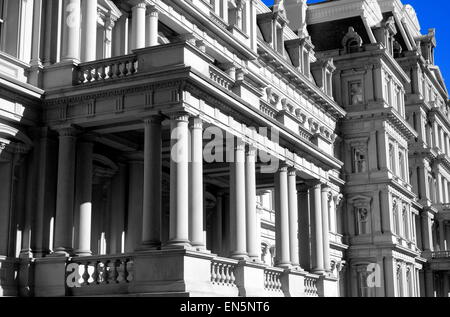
(61, 252)
(149, 245)
(239, 256)
(83, 253)
(319, 272)
(284, 265)
(178, 244)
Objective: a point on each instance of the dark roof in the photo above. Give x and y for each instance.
(328, 35)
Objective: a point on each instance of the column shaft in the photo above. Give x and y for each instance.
(326, 228)
(89, 36)
(196, 185)
(138, 28)
(84, 197)
(238, 245)
(282, 218)
(65, 192)
(218, 225)
(316, 205)
(71, 27)
(152, 27)
(250, 197)
(179, 182)
(151, 216)
(293, 217)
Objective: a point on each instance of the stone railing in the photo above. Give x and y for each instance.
(223, 272)
(311, 285)
(268, 110)
(220, 77)
(106, 69)
(272, 279)
(99, 270)
(440, 254)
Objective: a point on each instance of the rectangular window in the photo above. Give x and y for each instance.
(392, 158)
(355, 93)
(359, 161)
(402, 164)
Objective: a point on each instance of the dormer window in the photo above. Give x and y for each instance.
(351, 41)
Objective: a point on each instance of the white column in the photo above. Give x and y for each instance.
(282, 218)
(316, 204)
(71, 34)
(179, 181)
(151, 216)
(89, 36)
(293, 217)
(253, 248)
(138, 28)
(120, 36)
(326, 197)
(218, 237)
(196, 185)
(441, 235)
(84, 199)
(65, 192)
(37, 33)
(151, 27)
(238, 241)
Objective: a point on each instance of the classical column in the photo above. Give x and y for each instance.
(196, 185)
(218, 224)
(304, 224)
(65, 192)
(317, 236)
(179, 182)
(238, 243)
(48, 33)
(151, 35)
(120, 36)
(84, 197)
(7, 176)
(89, 28)
(71, 27)
(133, 237)
(282, 218)
(37, 33)
(446, 286)
(253, 248)
(326, 199)
(151, 216)
(293, 217)
(138, 28)
(118, 210)
(441, 235)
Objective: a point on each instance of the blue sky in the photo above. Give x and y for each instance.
(432, 14)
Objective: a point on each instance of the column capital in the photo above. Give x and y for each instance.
(251, 150)
(180, 116)
(292, 171)
(314, 183)
(152, 11)
(153, 119)
(68, 131)
(325, 188)
(141, 4)
(195, 123)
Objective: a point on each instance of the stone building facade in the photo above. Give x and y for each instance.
(221, 148)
